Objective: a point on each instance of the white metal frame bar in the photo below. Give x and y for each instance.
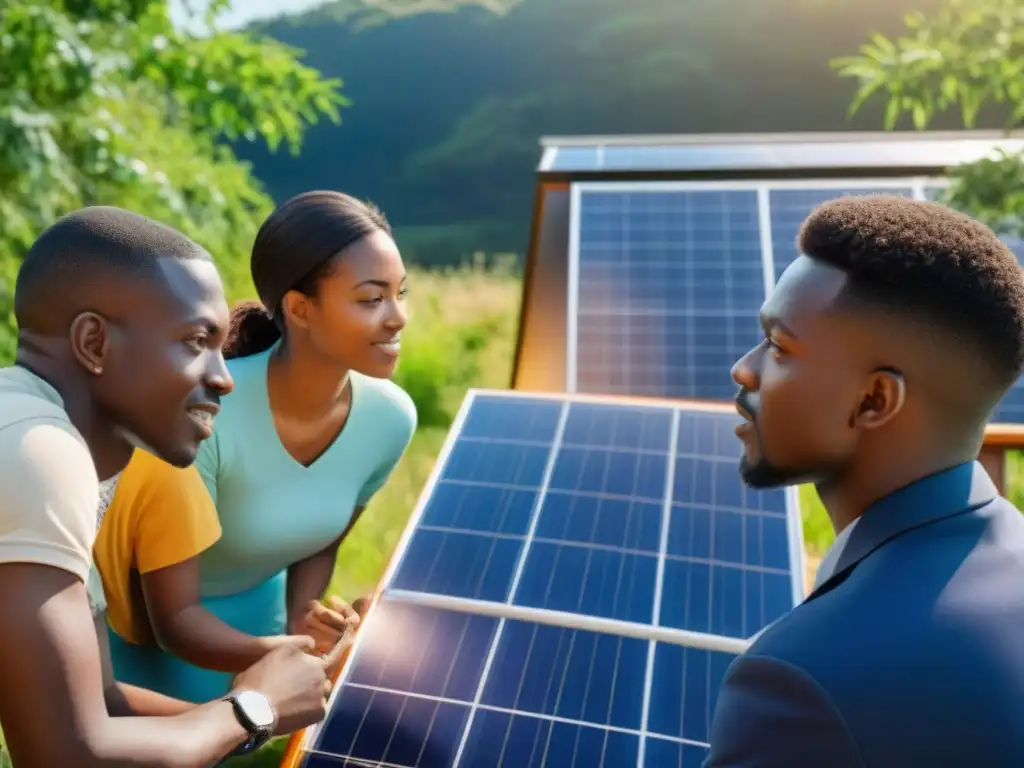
(581, 621)
(659, 587)
(547, 159)
(998, 137)
(572, 304)
(847, 182)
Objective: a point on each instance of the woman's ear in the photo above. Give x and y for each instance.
(295, 307)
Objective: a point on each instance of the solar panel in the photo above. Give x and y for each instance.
(790, 206)
(668, 283)
(914, 155)
(575, 581)
(666, 280)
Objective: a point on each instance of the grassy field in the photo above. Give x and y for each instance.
(461, 334)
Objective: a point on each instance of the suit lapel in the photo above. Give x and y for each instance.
(961, 489)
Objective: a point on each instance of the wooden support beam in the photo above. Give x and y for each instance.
(993, 458)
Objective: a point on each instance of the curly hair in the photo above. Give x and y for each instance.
(930, 261)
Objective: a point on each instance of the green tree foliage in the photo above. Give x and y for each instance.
(106, 102)
(448, 107)
(966, 58)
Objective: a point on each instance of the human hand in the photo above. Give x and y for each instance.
(295, 683)
(361, 605)
(328, 624)
(271, 642)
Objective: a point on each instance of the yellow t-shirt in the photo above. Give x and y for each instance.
(159, 516)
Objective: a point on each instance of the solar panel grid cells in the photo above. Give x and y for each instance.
(788, 208)
(554, 696)
(669, 287)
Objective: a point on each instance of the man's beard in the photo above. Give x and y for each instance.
(764, 474)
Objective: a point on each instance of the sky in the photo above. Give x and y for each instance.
(244, 11)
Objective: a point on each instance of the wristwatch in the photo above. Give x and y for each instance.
(256, 715)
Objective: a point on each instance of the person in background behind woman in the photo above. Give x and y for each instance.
(312, 431)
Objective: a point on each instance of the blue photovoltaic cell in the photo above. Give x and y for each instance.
(1011, 408)
(789, 207)
(670, 284)
(581, 535)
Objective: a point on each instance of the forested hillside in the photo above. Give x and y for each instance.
(446, 108)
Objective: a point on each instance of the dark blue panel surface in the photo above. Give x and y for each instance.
(601, 520)
(723, 600)
(379, 727)
(684, 691)
(503, 740)
(486, 461)
(662, 753)
(446, 659)
(789, 208)
(458, 505)
(460, 564)
(598, 531)
(728, 564)
(619, 426)
(567, 673)
(670, 284)
(595, 582)
(620, 473)
(399, 703)
(512, 418)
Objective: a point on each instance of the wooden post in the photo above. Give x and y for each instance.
(993, 458)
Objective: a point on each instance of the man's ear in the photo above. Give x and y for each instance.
(883, 398)
(90, 341)
(295, 307)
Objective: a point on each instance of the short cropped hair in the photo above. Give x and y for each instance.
(926, 260)
(85, 248)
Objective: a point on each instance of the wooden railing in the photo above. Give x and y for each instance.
(999, 439)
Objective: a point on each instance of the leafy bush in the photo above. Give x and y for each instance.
(460, 334)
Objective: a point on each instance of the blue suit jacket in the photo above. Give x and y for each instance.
(910, 656)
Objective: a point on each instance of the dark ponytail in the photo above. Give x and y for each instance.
(294, 249)
(252, 330)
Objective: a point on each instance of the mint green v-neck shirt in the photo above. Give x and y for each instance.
(273, 510)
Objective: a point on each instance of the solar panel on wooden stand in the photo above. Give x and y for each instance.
(666, 279)
(576, 579)
(666, 283)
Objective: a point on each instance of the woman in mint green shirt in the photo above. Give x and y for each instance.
(312, 430)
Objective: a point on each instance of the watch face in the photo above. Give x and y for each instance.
(257, 708)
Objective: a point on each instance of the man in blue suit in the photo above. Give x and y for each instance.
(888, 344)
